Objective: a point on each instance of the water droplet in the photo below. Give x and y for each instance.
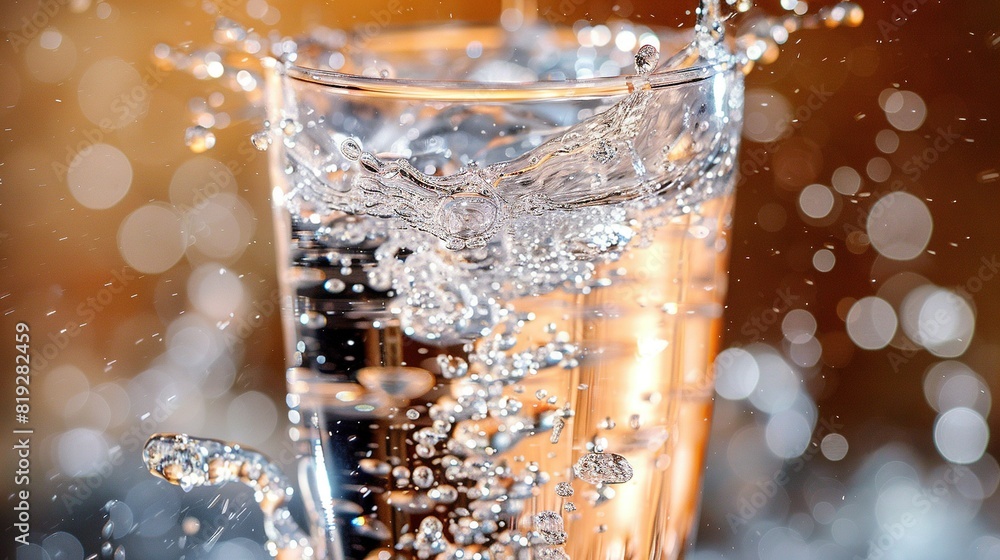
(334, 286)
(260, 140)
(603, 468)
(199, 139)
(646, 59)
(351, 149)
(569, 506)
(564, 489)
(634, 422)
(412, 414)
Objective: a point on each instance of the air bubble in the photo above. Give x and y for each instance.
(603, 468)
(423, 476)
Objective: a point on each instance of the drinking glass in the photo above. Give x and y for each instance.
(503, 251)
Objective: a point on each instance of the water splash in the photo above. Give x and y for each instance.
(191, 462)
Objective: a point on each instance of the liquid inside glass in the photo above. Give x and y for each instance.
(502, 301)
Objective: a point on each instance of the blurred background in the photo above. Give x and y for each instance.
(854, 406)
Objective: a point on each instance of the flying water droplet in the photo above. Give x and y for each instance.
(646, 59)
(564, 489)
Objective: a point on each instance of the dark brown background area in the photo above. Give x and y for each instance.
(56, 253)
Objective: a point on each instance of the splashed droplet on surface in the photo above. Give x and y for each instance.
(603, 468)
(646, 59)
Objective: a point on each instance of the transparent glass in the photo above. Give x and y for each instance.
(502, 286)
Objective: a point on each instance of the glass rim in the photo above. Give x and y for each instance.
(479, 91)
(443, 90)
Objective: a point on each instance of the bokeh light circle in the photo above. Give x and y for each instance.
(215, 291)
(899, 226)
(905, 110)
(824, 260)
(846, 180)
(99, 176)
(961, 435)
(252, 417)
(798, 326)
(111, 93)
(816, 201)
(151, 239)
(767, 115)
(834, 447)
(787, 434)
(871, 323)
(736, 373)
